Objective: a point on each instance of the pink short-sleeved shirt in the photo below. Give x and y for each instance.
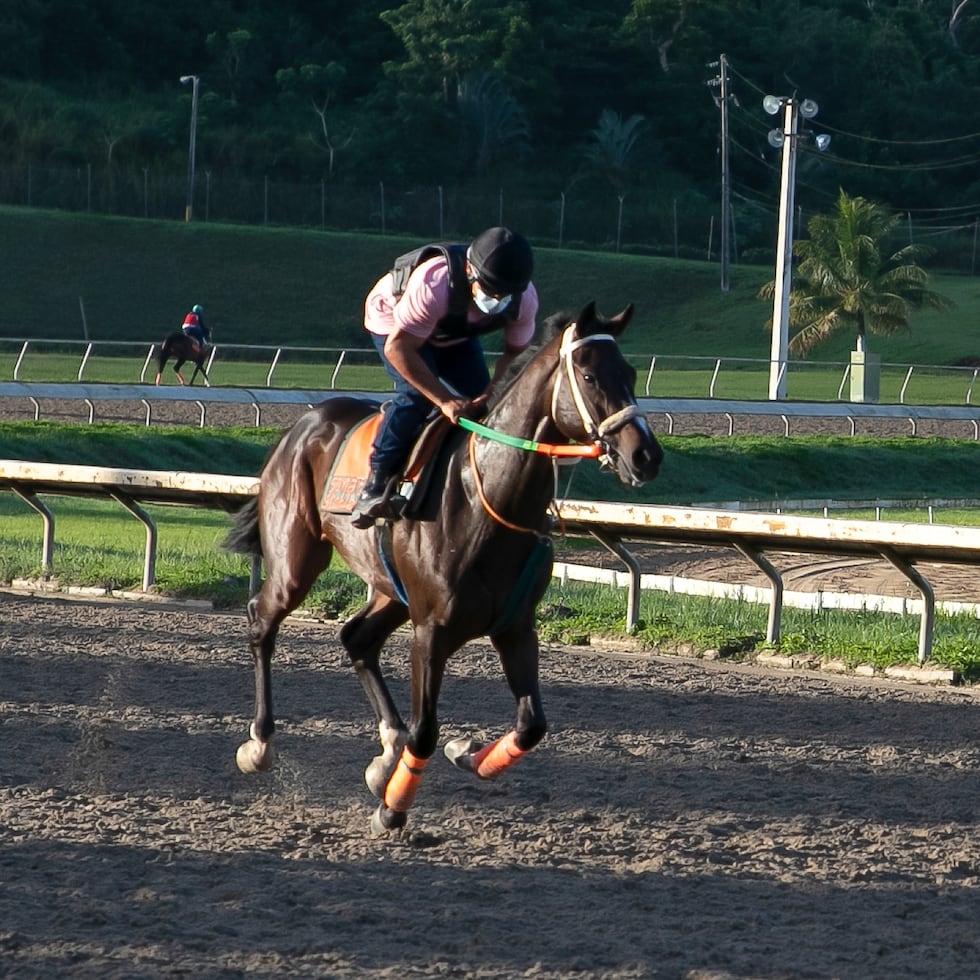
(426, 301)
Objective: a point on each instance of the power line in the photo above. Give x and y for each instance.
(884, 142)
(906, 167)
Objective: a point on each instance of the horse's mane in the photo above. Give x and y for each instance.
(550, 328)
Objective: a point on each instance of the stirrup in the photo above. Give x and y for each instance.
(387, 506)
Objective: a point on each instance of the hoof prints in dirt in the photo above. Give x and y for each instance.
(681, 819)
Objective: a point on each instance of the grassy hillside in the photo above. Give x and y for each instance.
(306, 288)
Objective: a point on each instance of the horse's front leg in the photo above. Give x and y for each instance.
(429, 656)
(518, 650)
(177, 366)
(199, 370)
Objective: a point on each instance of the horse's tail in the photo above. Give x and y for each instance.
(244, 537)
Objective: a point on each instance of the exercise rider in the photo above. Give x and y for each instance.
(426, 317)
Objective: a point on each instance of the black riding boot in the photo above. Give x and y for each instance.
(376, 500)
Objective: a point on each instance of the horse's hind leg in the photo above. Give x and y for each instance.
(363, 636)
(178, 364)
(290, 574)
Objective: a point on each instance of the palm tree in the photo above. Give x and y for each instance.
(494, 123)
(614, 139)
(844, 279)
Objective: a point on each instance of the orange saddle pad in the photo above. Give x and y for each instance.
(350, 468)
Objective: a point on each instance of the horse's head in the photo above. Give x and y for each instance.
(593, 398)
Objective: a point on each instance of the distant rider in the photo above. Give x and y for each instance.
(194, 328)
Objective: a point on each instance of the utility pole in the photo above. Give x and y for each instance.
(721, 83)
(194, 82)
(726, 186)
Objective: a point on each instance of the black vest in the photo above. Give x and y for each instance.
(455, 324)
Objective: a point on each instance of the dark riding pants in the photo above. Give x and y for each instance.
(462, 366)
(196, 334)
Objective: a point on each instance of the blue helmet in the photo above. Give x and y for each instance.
(197, 309)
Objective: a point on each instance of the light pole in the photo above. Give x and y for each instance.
(194, 81)
(787, 139)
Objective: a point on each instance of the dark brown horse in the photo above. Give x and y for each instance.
(182, 348)
(474, 562)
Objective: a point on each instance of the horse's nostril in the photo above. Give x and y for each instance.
(648, 459)
(648, 456)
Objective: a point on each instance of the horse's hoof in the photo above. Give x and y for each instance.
(377, 774)
(385, 821)
(254, 756)
(459, 751)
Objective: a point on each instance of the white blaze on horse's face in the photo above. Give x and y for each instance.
(629, 447)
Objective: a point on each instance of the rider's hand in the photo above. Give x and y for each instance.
(480, 406)
(456, 408)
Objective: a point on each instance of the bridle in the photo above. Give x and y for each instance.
(596, 430)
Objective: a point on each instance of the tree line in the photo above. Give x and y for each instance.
(619, 97)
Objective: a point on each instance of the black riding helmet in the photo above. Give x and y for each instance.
(502, 260)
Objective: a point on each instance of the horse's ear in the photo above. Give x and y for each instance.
(589, 322)
(585, 322)
(618, 323)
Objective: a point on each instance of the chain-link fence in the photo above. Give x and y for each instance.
(640, 221)
(644, 220)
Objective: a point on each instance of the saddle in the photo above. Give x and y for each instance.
(350, 467)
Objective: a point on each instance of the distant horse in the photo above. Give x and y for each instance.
(182, 348)
(475, 561)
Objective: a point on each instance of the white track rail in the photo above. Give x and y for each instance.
(147, 395)
(903, 545)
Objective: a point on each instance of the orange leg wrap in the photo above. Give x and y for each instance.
(492, 760)
(404, 781)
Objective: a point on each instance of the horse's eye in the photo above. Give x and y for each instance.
(589, 379)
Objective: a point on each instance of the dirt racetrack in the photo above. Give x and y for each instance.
(682, 819)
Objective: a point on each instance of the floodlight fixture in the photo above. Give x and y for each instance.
(772, 104)
(808, 108)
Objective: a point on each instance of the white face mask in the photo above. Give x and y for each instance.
(489, 304)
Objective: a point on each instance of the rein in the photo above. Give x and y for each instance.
(487, 506)
(529, 445)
